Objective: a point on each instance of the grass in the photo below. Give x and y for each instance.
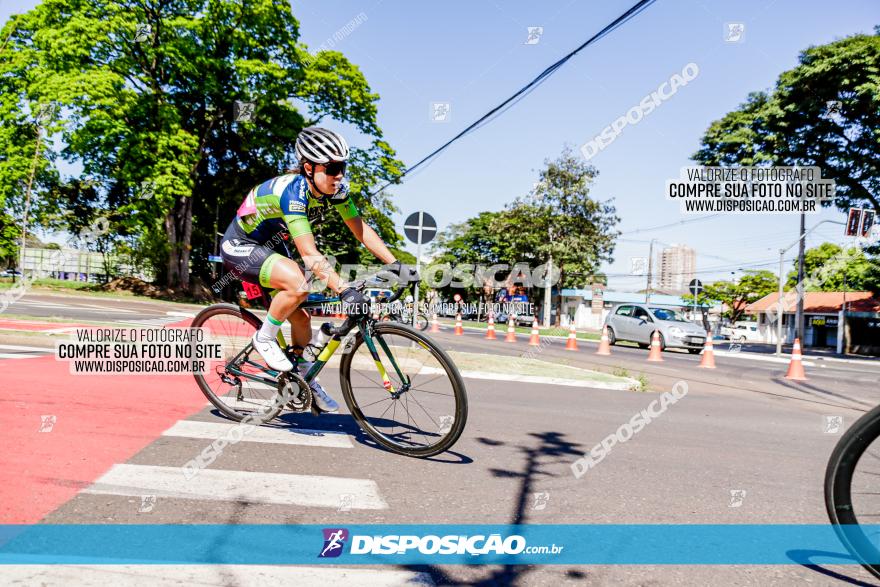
(526, 366)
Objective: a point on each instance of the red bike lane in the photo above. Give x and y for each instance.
(60, 432)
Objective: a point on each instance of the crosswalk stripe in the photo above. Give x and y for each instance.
(268, 434)
(208, 575)
(226, 485)
(16, 347)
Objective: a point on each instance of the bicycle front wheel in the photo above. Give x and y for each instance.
(852, 498)
(234, 395)
(426, 413)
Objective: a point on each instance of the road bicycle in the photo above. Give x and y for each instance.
(852, 490)
(403, 314)
(385, 368)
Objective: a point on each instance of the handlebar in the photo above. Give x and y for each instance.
(350, 321)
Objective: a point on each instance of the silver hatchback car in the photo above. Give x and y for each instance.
(637, 323)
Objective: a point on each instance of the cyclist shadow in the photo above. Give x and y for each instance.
(540, 461)
(309, 424)
(803, 558)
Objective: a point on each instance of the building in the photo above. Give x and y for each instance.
(76, 265)
(677, 267)
(824, 323)
(589, 307)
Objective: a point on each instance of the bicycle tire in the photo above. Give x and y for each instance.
(257, 417)
(422, 322)
(448, 365)
(838, 486)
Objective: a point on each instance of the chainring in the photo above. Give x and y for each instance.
(293, 386)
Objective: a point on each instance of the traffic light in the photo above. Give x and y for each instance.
(867, 222)
(853, 221)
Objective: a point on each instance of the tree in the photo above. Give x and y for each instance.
(753, 286)
(857, 273)
(152, 94)
(559, 219)
(825, 112)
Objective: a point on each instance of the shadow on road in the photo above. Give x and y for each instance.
(803, 557)
(546, 454)
(817, 392)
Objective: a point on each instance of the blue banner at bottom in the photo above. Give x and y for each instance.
(611, 544)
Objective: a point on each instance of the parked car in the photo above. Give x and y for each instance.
(12, 273)
(637, 323)
(745, 332)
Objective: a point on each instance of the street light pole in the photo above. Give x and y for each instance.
(779, 305)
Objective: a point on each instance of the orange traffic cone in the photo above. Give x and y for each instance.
(571, 344)
(535, 338)
(604, 343)
(490, 329)
(655, 355)
(458, 329)
(511, 331)
(796, 366)
(435, 326)
(708, 359)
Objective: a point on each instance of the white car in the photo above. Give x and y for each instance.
(745, 332)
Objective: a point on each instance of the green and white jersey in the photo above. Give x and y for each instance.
(285, 204)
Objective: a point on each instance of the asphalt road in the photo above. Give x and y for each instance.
(740, 428)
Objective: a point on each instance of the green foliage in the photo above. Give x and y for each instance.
(559, 218)
(793, 125)
(855, 269)
(158, 111)
(753, 286)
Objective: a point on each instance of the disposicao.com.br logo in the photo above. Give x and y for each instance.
(479, 544)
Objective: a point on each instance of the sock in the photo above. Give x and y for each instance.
(269, 331)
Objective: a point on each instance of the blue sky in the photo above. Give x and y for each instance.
(473, 55)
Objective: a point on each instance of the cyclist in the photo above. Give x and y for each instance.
(286, 208)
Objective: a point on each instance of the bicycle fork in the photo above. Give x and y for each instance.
(386, 381)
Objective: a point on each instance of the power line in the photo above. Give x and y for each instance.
(671, 224)
(523, 91)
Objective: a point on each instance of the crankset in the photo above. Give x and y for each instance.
(293, 387)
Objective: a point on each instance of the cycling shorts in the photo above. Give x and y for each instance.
(248, 259)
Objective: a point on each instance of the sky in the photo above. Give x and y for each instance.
(474, 54)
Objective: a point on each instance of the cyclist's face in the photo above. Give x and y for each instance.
(327, 183)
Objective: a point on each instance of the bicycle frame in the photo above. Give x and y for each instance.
(363, 323)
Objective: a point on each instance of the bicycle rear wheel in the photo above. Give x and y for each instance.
(429, 414)
(236, 397)
(852, 479)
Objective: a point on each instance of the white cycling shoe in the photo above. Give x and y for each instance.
(322, 399)
(272, 354)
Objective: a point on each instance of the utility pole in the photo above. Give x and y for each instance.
(548, 311)
(27, 198)
(650, 269)
(780, 306)
(800, 278)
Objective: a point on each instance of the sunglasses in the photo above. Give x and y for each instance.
(335, 168)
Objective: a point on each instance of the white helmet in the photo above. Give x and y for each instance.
(319, 145)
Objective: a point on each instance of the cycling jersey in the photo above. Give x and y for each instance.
(285, 203)
(254, 240)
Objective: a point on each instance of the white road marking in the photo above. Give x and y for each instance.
(268, 434)
(15, 347)
(104, 308)
(234, 486)
(26, 352)
(208, 575)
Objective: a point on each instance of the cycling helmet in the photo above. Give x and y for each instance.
(319, 145)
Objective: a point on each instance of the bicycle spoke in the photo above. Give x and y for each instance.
(403, 357)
